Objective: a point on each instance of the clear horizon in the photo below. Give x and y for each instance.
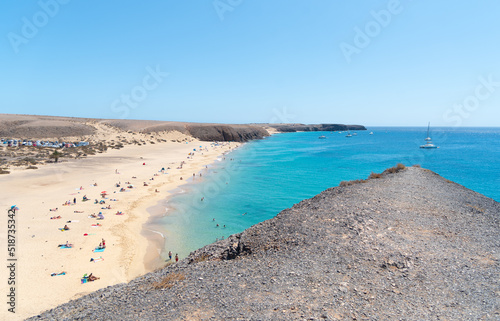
(388, 63)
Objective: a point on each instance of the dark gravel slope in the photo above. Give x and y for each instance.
(407, 246)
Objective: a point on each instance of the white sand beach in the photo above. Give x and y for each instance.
(38, 191)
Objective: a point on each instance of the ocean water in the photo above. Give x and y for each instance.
(261, 178)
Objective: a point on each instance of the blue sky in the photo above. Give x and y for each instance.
(395, 63)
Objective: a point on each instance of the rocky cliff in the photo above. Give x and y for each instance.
(408, 245)
(237, 133)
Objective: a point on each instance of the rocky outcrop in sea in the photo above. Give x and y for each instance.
(287, 128)
(409, 245)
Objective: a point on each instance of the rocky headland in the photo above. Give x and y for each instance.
(406, 244)
(287, 128)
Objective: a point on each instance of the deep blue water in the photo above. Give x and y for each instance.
(266, 176)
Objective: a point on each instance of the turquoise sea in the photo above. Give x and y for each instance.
(263, 177)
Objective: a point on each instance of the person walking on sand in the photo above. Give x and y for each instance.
(74, 200)
(176, 257)
(170, 255)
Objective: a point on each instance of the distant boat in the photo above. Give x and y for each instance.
(348, 134)
(371, 133)
(428, 141)
(355, 134)
(322, 137)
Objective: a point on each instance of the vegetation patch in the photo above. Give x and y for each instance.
(348, 183)
(399, 167)
(169, 281)
(374, 175)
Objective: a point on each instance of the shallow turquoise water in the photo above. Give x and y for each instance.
(264, 177)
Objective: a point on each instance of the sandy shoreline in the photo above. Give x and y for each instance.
(127, 245)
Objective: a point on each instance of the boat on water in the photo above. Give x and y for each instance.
(348, 134)
(322, 137)
(371, 133)
(428, 141)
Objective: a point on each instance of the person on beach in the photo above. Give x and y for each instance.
(176, 257)
(170, 255)
(103, 243)
(66, 228)
(92, 277)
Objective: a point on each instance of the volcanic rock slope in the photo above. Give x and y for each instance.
(407, 246)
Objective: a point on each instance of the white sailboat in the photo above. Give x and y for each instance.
(428, 141)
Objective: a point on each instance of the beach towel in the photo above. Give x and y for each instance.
(63, 246)
(96, 259)
(96, 250)
(95, 225)
(55, 274)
